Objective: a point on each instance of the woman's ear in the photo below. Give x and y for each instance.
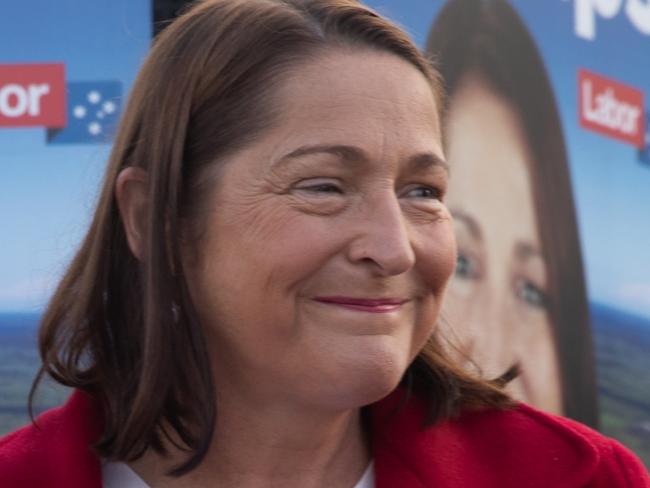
(132, 200)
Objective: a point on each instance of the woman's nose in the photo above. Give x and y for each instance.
(382, 238)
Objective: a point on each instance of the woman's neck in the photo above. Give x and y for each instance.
(266, 445)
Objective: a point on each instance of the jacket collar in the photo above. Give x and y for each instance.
(481, 449)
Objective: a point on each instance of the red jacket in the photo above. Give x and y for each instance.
(521, 448)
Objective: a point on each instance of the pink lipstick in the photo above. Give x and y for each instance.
(372, 305)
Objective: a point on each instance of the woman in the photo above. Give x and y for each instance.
(519, 293)
(254, 301)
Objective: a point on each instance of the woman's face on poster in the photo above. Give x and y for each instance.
(496, 305)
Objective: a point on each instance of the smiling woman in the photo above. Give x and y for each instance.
(255, 301)
(329, 231)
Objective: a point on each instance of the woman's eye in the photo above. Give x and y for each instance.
(531, 294)
(466, 268)
(322, 188)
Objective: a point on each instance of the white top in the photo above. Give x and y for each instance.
(120, 475)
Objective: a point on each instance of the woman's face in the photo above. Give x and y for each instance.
(327, 247)
(497, 299)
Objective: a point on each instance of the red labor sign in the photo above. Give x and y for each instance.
(611, 108)
(32, 95)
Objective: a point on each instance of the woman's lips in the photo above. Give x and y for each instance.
(372, 305)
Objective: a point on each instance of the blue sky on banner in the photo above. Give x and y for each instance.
(611, 182)
(47, 191)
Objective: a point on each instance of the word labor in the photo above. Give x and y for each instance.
(638, 11)
(605, 109)
(611, 108)
(25, 100)
(32, 95)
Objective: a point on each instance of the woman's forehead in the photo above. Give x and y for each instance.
(362, 81)
(366, 99)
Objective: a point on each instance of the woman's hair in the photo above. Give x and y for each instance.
(124, 329)
(487, 39)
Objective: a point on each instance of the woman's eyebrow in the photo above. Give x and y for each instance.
(525, 251)
(349, 154)
(353, 154)
(427, 160)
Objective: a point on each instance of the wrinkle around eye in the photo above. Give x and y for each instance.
(427, 212)
(323, 204)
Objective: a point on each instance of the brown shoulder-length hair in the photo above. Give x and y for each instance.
(488, 39)
(123, 329)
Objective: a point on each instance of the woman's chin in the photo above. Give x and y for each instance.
(365, 378)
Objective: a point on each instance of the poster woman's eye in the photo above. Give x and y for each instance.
(466, 267)
(531, 294)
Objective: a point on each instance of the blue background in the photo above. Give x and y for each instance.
(47, 193)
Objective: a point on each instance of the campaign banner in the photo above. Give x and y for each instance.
(548, 144)
(547, 138)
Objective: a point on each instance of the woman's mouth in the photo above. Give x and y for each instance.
(372, 305)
